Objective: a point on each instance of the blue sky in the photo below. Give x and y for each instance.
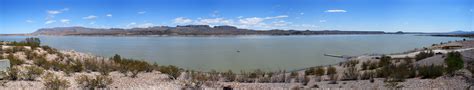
(25, 16)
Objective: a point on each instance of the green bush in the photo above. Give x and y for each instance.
(432, 71)
(100, 81)
(423, 55)
(32, 72)
(454, 62)
(171, 70)
(53, 82)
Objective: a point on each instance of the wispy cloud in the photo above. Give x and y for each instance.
(336, 11)
(322, 21)
(182, 20)
(258, 20)
(29, 21)
(52, 13)
(49, 21)
(66, 21)
(141, 12)
(90, 17)
(136, 25)
(277, 17)
(109, 15)
(215, 21)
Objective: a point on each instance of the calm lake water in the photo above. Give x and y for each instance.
(256, 52)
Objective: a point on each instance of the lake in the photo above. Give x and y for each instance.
(239, 52)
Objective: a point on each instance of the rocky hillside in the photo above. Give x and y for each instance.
(186, 30)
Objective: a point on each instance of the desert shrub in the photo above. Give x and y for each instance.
(134, 67)
(470, 67)
(13, 73)
(1, 55)
(50, 50)
(318, 71)
(171, 70)
(432, 71)
(91, 64)
(100, 81)
(423, 55)
(137, 67)
(14, 61)
(384, 61)
(408, 60)
(32, 72)
(77, 66)
(367, 75)
(385, 71)
(229, 76)
(105, 68)
(42, 62)
(369, 65)
(351, 63)
(454, 62)
(331, 70)
(350, 73)
(400, 72)
(53, 82)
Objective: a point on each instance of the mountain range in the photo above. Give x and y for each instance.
(186, 30)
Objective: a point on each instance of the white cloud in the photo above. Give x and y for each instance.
(277, 17)
(141, 12)
(52, 13)
(280, 23)
(90, 17)
(213, 21)
(131, 24)
(136, 25)
(182, 20)
(336, 11)
(251, 21)
(257, 20)
(66, 21)
(49, 21)
(29, 21)
(92, 22)
(145, 25)
(321, 21)
(109, 15)
(301, 13)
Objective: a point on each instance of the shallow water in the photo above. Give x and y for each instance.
(239, 52)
